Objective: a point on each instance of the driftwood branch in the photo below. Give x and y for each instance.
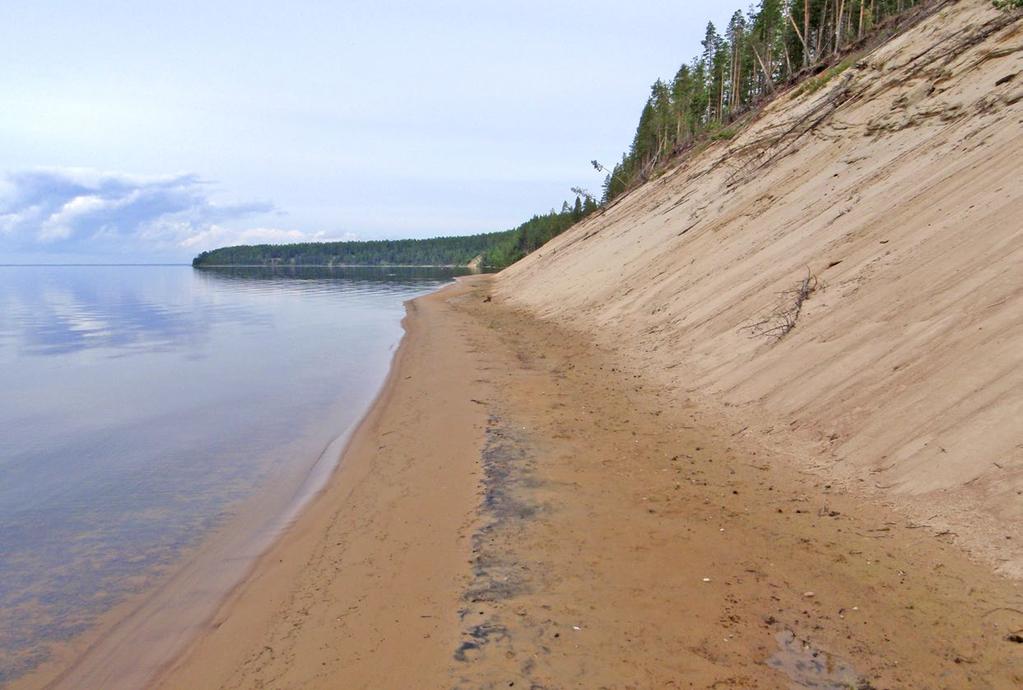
(780, 322)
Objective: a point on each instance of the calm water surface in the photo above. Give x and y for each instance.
(142, 405)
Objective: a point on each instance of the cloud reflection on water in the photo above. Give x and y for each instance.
(142, 403)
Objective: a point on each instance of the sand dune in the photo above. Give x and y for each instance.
(897, 187)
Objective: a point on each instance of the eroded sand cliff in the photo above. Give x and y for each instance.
(897, 187)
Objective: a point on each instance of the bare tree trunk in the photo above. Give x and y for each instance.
(736, 74)
(767, 75)
(821, 26)
(721, 97)
(800, 36)
(806, 32)
(731, 71)
(840, 6)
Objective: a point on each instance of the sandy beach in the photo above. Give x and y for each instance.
(361, 591)
(517, 511)
(746, 416)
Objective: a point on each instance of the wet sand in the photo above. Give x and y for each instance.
(518, 512)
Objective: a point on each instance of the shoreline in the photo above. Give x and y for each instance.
(201, 581)
(294, 266)
(519, 509)
(251, 603)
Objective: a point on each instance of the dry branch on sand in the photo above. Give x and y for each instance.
(782, 320)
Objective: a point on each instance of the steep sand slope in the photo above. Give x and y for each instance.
(898, 185)
(517, 512)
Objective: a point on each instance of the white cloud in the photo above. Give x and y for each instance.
(219, 236)
(59, 226)
(9, 222)
(6, 191)
(78, 210)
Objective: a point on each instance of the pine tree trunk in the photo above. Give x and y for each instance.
(721, 96)
(821, 31)
(806, 33)
(840, 7)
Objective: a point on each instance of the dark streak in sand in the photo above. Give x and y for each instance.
(497, 577)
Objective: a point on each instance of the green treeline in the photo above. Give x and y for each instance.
(438, 251)
(775, 42)
(497, 249)
(537, 231)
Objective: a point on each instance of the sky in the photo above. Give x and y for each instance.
(147, 132)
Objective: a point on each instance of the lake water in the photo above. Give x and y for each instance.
(142, 406)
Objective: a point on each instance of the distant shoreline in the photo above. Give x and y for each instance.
(88, 265)
(189, 265)
(201, 266)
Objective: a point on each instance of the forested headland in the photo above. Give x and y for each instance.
(774, 46)
(495, 249)
(437, 251)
